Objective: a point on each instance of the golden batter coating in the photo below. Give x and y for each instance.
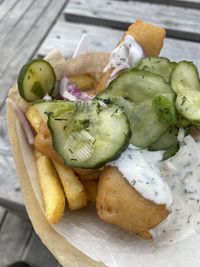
(149, 36)
(119, 203)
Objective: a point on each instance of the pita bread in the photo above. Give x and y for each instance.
(65, 253)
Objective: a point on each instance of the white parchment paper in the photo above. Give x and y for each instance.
(109, 244)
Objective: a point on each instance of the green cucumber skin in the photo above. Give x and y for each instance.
(21, 79)
(98, 165)
(22, 75)
(174, 74)
(46, 106)
(117, 89)
(141, 118)
(171, 151)
(37, 90)
(152, 65)
(84, 164)
(185, 82)
(166, 141)
(132, 106)
(165, 110)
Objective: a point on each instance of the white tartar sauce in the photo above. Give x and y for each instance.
(143, 175)
(174, 182)
(182, 173)
(128, 53)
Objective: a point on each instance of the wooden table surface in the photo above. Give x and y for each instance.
(32, 28)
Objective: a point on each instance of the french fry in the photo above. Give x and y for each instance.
(51, 189)
(33, 116)
(91, 188)
(43, 143)
(74, 189)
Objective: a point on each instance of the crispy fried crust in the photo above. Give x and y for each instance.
(91, 188)
(102, 83)
(43, 143)
(119, 203)
(87, 174)
(149, 36)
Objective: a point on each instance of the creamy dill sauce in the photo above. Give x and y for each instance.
(182, 175)
(143, 175)
(128, 53)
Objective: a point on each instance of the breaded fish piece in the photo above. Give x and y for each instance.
(149, 36)
(119, 203)
(87, 174)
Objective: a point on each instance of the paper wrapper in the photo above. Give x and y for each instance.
(81, 238)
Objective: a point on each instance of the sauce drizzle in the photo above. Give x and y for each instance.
(143, 175)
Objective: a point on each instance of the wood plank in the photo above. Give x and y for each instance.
(2, 215)
(15, 207)
(9, 188)
(178, 50)
(6, 6)
(12, 19)
(14, 235)
(31, 15)
(38, 33)
(25, 46)
(65, 36)
(44, 256)
(181, 3)
(179, 22)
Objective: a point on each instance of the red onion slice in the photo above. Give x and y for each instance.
(63, 90)
(23, 120)
(71, 92)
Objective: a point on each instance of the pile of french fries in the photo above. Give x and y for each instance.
(61, 186)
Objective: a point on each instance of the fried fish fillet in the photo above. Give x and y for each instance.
(120, 204)
(87, 174)
(149, 36)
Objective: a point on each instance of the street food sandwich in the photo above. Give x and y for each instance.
(115, 130)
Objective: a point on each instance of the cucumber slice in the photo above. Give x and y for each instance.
(157, 65)
(36, 79)
(171, 151)
(165, 110)
(181, 122)
(90, 135)
(166, 141)
(185, 77)
(185, 82)
(148, 120)
(44, 107)
(188, 105)
(137, 86)
(137, 91)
